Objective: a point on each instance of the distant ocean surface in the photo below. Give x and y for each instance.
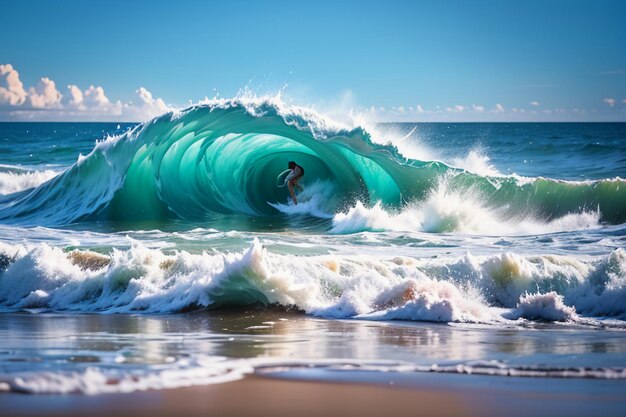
(432, 246)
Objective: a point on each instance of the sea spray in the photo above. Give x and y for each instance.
(447, 210)
(548, 307)
(223, 156)
(457, 289)
(14, 181)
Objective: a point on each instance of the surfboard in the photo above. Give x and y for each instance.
(281, 179)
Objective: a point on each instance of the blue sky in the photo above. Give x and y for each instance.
(397, 60)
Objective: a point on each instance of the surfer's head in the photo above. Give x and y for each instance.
(292, 165)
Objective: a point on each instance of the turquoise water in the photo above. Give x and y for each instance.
(212, 161)
(485, 226)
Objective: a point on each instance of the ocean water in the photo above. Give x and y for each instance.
(166, 254)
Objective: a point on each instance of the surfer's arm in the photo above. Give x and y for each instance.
(295, 173)
(291, 175)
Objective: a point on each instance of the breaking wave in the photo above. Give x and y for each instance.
(480, 289)
(14, 180)
(223, 157)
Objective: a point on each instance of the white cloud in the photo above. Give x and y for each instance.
(75, 97)
(473, 113)
(146, 97)
(148, 106)
(95, 97)
(45, 102)
(93, 101)
(609, 101)
(11, 88)
(45, 94)
(456, 109)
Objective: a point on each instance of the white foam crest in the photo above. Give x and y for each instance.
(314, 200)
(443, 289)
(428, 300)
(477, 162)
(303, 118)
(12, 182)
(412, 146)
(604, 292)
(566, 223)
(103, 145)
(442, 211)
(146, 280)
(503, 278)
(372, 219)
(548, 306)
(408, 145)
(561, 287)
(205, 370)
(94, 380)
(445, 211)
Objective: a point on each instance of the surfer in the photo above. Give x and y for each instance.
(292, 179)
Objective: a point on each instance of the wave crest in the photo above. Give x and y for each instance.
(445, 210)
(464, 289)
(223, 157)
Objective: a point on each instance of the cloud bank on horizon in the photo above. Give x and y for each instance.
(44, 102)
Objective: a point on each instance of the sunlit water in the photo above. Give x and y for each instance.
(491, 249)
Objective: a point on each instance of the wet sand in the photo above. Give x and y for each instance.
(253, 396)
(390, 395)
(71, 342)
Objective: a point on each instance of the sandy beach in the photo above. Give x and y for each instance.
(393, 394)
(251, 397)
(281, 384)
(324, 208)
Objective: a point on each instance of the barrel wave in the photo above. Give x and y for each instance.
(223, 157)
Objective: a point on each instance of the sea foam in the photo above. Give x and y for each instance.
(446, 210)
(547, 306)
(12, 182)
(222, 156)
(465, 289)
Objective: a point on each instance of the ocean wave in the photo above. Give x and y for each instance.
(98, 380)
(482, 289)
(223, 157)
(446, 210)
(14, 181)
(548, 306)
(205, 370)
(477, 162)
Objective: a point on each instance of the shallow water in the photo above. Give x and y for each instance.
(510, 236)
(51, 353)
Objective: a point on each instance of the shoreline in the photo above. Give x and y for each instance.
(361, 394)
(252, 396)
